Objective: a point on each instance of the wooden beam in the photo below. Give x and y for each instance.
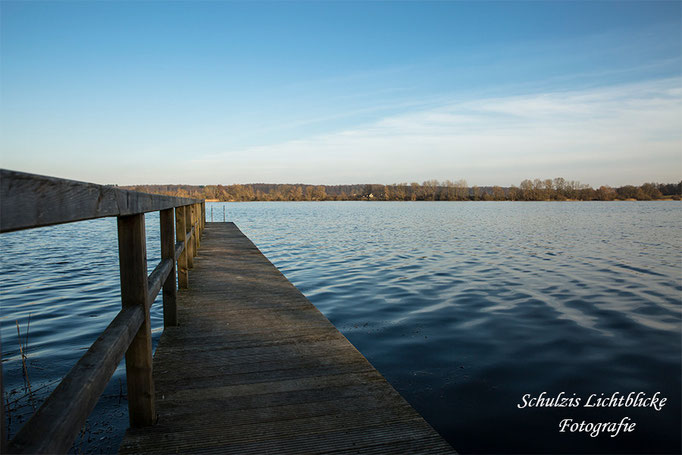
(132, 252)
(181, 237)
(195, 224)
(203, 216)
(29, 200)
(54, 427)
(179, 248)
(170, 312)
(198, 221)
(157, 278)
(195, 221)
(189, 227)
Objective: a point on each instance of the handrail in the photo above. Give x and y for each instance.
(179, 248)
(28, 201)
(157, 278)
(65, 410)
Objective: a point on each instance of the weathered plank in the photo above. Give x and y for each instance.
(254, 367)
(62, 415)
(29, 200)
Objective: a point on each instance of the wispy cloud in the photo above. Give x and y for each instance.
(611, 135)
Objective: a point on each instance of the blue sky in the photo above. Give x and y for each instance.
(342, 92)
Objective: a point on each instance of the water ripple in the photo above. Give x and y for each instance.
(467, 307)
(463, 307)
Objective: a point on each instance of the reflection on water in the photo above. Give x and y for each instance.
(464, 307)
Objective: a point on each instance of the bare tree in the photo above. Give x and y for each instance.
(461, 190)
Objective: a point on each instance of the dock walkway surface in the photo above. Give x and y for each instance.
(254, 367)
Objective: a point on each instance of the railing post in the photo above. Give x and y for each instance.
(189, 244)
(195, 221)
(132, 252)
(197, 228)
(203, 216)
(181, 236)
(170, 314)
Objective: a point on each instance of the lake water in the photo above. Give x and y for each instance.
(463, 307)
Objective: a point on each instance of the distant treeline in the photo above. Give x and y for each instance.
(557, 189)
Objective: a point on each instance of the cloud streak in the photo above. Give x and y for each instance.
(610, 135)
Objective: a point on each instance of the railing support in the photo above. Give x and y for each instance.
(170, 313)
(197, 228)
(29, 201)
(193, 209)
(181, 236)
(132, 250)
(203, 216)
(189, 244)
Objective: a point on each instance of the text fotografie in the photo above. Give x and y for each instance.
(616, 399)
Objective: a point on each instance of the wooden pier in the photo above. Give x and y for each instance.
(254, 367)
(246, 364)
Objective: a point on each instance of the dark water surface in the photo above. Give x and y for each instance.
(463, 307)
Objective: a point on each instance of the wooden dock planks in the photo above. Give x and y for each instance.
(255, 368)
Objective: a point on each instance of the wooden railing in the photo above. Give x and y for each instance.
(30, 201)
